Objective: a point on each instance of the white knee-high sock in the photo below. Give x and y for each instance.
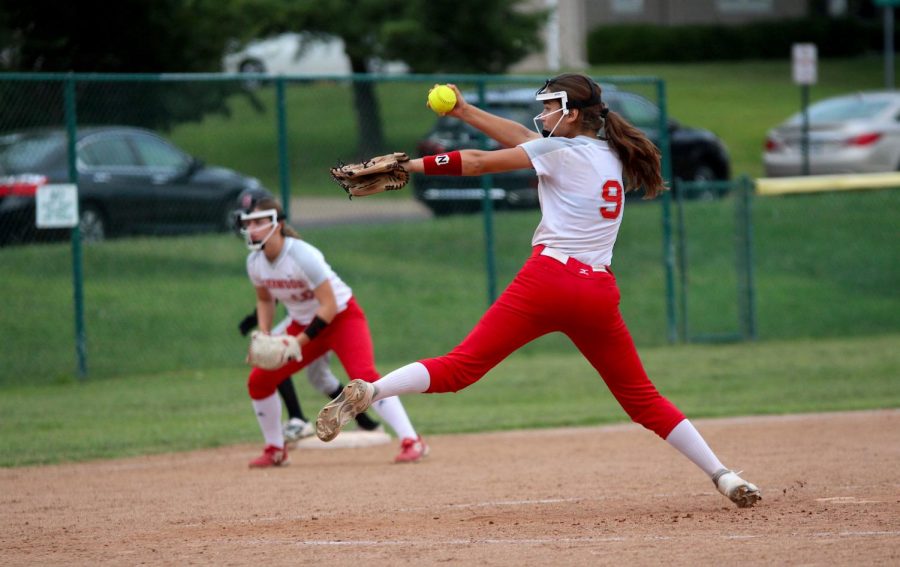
(409, 379)
(392, 411)
(268, 414)
(691, 444)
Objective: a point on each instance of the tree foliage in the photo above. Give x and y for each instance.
(129, 36)
(183, 36)
(467, 36)
(431, 36)
(153, 36)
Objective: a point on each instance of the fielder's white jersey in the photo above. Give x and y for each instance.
(581, 193)
(292, 277)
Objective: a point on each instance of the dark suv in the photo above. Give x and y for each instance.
(697, 155)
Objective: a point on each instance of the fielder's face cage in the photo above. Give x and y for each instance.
(543, 94)
(248, 230)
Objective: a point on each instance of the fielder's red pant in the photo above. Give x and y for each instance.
(347, 335)
(547, 296)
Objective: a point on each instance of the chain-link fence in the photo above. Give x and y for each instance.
(714, 256)
(826, 262)
(155, 277)
(159, 277)
(810, 260)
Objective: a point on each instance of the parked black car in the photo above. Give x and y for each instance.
(130, 181)
(696, 154)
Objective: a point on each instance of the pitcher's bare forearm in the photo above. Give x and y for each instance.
(479, 162)
(507, 132)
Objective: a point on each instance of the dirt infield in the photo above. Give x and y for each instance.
(586, 496)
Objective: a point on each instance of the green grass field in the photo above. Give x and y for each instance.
(165, 359)
(738, 100)
(158, 305)
(174, 411)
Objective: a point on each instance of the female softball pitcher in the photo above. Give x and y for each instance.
(566, 284)
(325, 317)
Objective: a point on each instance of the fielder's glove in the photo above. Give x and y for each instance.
(268, 352)
(376, 175)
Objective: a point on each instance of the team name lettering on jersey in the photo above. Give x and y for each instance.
(294, 276)
(285, 284)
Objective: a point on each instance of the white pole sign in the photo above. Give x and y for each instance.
(804, 56)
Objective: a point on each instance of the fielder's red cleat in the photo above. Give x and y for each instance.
(412, 450)
(272, 457)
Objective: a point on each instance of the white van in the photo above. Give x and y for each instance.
(299, 54)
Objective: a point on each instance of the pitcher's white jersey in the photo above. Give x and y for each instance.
(292, 277)
(581, 194)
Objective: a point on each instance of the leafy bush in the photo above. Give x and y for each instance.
(642, 43)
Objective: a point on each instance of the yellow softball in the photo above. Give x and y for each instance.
(441, 99)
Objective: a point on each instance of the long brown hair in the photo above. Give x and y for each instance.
(267, 203)
(640, 157)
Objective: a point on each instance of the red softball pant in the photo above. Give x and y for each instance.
(548, 296)
(347, 336)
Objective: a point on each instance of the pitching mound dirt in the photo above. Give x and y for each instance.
(586, 496)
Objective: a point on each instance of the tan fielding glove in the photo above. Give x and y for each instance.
(376, 175)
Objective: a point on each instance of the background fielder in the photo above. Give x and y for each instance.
(325, 317)
(318, 372)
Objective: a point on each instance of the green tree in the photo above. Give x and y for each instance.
(465, 36)
(182, 36)
(128, 36)
(451, 36)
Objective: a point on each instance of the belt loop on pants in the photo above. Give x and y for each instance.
(564, 258)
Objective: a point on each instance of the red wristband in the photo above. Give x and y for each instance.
(443, 164)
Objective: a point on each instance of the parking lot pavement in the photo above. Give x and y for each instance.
(323, 211)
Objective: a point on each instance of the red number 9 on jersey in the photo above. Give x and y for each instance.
(612, 194)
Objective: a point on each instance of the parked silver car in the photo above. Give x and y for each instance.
(854, 133)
